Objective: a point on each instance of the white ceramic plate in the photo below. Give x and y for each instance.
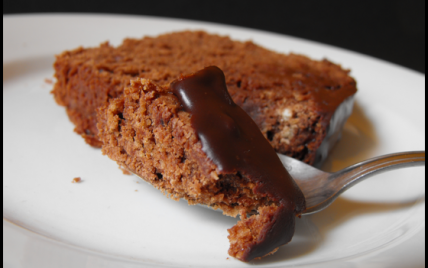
(111, 220)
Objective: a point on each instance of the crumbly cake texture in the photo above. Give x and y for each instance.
(291, 97)
(146, 131)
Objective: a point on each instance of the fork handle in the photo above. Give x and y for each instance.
(350, 176)
(344, 179)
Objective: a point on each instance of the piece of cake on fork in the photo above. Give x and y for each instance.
(191, 141)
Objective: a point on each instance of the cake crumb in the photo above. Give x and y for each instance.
(136, 190)
(124, 171)
(76, 180)
(48, 81)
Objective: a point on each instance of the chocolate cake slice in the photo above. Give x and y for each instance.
(298, 104)
(191, 141)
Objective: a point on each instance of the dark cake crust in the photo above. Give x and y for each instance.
(290, 97)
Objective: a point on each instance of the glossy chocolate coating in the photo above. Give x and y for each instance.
(232, 140)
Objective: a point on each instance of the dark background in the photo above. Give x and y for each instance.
(390, 30)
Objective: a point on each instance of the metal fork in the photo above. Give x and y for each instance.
(322, 188)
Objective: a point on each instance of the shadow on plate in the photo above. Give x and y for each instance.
(17, 68)
(359, 142)
(312, 230)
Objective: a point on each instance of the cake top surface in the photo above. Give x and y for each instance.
(249, 68)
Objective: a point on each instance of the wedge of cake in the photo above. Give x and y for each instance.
(191, 141)
(298, 104)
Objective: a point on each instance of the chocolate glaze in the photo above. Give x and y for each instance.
(232, 140)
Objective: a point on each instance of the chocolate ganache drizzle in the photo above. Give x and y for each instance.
(232, 140)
